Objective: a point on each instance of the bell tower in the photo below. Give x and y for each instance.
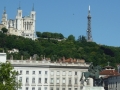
(4, 18)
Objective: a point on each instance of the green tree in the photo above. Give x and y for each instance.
(8, 77)
(38, 34)
(4, 30)
(71, 37)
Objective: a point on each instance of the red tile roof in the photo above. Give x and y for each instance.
(109, 72)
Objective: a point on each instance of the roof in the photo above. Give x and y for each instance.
(109, 72)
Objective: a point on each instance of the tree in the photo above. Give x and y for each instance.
(8, 76)
(71, 37)
(4, 30)
(38, 34)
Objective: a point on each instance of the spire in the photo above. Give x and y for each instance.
(33, 7)
(19, 6)
(4, 10)
(89, 11)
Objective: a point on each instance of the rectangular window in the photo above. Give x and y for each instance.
(45, 72)
(57, 88)
(20, 71)
(33, 72)
(51, 88)
(39, 72)
(70, 73)
(58, 73)
(51, 73)
(75, 88)
(26, 88)
(63, 80)
(52, 81)
(39, 88)
(69, 88)
(33, 88)
(45, 80)
(39, 80)
(63, 72)
(63, 88)
(20, 79)
(58, 80)
(27, 80)
(33, 80)
(69, 81)
(27, 72)
(45, 88)
(75, 73)
(75, 80)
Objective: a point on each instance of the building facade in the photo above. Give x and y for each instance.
(21, 25)
(46, 75)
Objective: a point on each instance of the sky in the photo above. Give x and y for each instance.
(70, 17)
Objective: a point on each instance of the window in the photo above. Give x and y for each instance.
(52, 81)
(45, 88)
(58, 80)
(57, 88)
(45, 80)
(63, 88)
(27, 80)
(51, 88)
(39, 72)
(20, 71)
(26, 88)
(58, 73)
(33, 80)
(75, 73)
(20, 88)
(33, 72)
(69, 88)
(39, 80)
(33, 88)
(45, 72)
(88, 82)
(27, 72)
(63, 72)
(75, 88)
(63, 80)
(51, 72)
(70, 73)
(20, 79)
(69, 81)
(39, 88)
(75, 80)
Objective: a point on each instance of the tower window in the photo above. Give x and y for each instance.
(32, 16)
(19, 14)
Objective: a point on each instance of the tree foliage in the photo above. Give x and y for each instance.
(8, 77)
(4, 30)
(54, 49)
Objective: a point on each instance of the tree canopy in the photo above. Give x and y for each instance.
(8, 77)
(55, 49)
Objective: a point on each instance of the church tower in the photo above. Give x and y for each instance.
(33, 16)
(89, 33)
(4, 18)
(18, 23)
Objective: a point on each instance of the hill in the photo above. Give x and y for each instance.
(54, 49)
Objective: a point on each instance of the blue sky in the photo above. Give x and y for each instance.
(70, 17)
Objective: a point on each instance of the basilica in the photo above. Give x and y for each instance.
(20, 26)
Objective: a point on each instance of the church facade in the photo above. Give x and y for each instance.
(22, 25)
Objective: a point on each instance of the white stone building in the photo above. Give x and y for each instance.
(21, 25)
(46, 75)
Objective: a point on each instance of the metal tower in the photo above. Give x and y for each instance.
(89, 33)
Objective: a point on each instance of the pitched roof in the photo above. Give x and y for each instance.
(109, 72)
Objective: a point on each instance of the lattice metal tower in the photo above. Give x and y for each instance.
(89, 33)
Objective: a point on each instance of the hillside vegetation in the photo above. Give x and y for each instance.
(54, 49)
